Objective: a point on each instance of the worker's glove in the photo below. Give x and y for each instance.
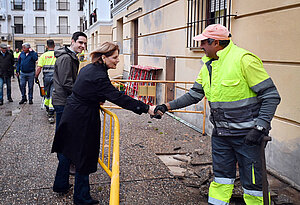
(163, 108)
(254, 137)
(36, 80)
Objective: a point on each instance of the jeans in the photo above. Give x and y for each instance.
(59, 109)
(27, 77)
(7, 80)
(61, 183)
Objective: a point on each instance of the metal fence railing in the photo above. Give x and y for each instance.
(160, 91)
(105, 159)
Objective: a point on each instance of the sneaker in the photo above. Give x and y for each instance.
(1, 102)
(30, 102)
(51, 119)
(10, 100)
(22, 101)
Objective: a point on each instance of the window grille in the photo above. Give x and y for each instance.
(63, 5)
(17, 5)
(39, 5)
(63, 27)
(18, 24)
(202, 13)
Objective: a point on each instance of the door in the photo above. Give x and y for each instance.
(170, 75)
(135, 42)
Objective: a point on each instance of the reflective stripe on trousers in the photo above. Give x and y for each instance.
(220, 191)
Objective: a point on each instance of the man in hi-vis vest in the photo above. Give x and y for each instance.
(243, 100)
(46, 63)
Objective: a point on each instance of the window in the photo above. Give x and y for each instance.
(57, 46)
(18, 22)
(63, 27)
(40, 25)
(40, 48)
(80, 5)
(202, 13)
(80, 28)
(63, 5)
(17, 5)
(39, 5)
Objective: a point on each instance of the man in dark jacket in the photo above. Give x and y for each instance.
(6, 71)
(65, 73)
(26, 71)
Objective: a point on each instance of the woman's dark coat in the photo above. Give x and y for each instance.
(78, 134)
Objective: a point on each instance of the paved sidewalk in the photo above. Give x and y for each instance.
(27, 167)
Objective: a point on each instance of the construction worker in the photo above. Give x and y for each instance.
(16, 56)
(243, 100)
(47, 62)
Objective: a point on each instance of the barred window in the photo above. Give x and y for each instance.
(202, 13)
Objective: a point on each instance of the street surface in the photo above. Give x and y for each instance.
(27, 168)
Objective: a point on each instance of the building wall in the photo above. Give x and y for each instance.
(51, 21)
(100, 31)
(267, 28)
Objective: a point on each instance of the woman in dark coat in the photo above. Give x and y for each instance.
(77, 138)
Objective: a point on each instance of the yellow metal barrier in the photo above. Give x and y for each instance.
(114, 172)
(146, 89)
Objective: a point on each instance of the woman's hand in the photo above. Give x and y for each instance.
(151, 110)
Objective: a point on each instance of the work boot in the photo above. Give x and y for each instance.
(10, 100)
(22, 101)
(51, 119)
(1, 102)
(30, 102)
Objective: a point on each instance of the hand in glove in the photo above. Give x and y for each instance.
(254, 137)
(159, 111)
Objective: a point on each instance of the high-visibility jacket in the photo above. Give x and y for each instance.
(47, 62)
(239, 91)
(16, 55)
(230, 93)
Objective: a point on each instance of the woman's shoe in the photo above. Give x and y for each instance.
(91, 201)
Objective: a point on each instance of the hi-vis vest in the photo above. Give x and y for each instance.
(16, 55)
(234, 106)
(47, 62)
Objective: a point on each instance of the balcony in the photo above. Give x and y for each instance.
(18, 5)
(64, 6)
(39, 6)
(19, 28)
(40, 29)
(63, 29)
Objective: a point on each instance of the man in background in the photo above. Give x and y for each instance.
(26, 70)
(6, 71)
(16, 56)
(46, 63)
(65, 73)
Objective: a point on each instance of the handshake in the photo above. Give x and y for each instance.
(158, 110)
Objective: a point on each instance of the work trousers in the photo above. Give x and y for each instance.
(24, 78)
(227, 152)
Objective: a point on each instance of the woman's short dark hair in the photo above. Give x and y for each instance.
(106, 48)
